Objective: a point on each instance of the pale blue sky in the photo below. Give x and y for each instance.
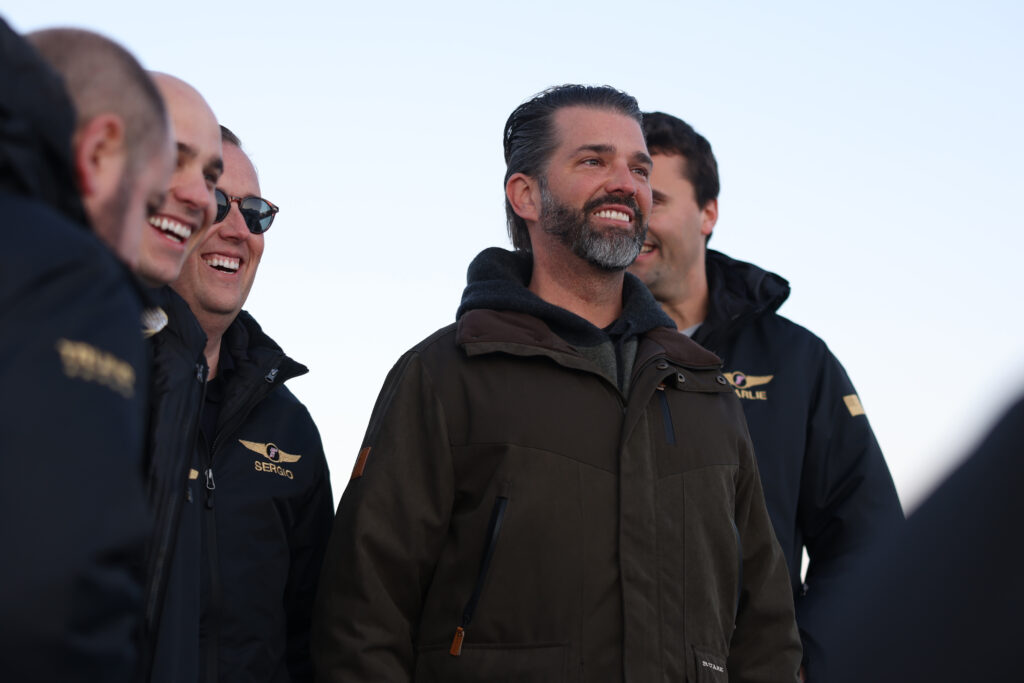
(870, 154)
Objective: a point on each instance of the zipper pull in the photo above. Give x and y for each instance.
(210, 486)
(456, 649)
(270, 376)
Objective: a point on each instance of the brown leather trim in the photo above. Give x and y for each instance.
(484, 325)
(682, 350)
(357, 471)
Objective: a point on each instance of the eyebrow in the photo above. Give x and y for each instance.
(215, 165)
(187, 152)
(637, 158)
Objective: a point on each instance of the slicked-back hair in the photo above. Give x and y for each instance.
(530, 136)
(669, 135)
(102, 77)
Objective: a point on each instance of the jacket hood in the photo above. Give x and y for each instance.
(37, 122)
(498, 280)
(738, 290)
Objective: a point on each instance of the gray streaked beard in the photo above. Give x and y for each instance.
(612, 250)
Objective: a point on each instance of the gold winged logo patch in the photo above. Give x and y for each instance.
(742, 380)
(269, 451)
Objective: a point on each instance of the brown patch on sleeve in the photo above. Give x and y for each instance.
(357, 471)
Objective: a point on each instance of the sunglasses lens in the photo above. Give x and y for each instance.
(223, 206)
(258, 214)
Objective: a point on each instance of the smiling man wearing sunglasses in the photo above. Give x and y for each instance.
(265, 506)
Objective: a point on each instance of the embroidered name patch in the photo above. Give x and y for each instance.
(86, 362)
(743, 384)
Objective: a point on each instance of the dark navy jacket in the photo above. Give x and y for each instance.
(254, 526)
(171, 617)
(826, 484)
(941, 599)
(73, 387)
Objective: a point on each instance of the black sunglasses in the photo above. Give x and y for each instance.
(257, 211)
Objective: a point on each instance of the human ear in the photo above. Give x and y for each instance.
(523, 194)
(99, 155)
(708, 217)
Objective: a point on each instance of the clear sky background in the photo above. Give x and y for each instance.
(871, 154)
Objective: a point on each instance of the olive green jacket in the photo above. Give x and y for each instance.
(513, 517)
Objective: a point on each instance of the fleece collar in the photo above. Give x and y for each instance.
(498, 280)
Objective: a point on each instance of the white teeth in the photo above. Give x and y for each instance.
(614, 215)
(647, 248)
(224, 262)
(171, 227)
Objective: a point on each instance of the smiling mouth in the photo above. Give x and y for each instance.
(614, 215)
(647, 248)
(178, 232)
(223, 263)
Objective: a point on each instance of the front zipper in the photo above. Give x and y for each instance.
(212, 651)
(216, 597)
(493, 531)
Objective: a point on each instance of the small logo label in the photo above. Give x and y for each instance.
(714, 667)
(357, 471)
(743, 385)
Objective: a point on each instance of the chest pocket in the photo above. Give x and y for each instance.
(695, 423)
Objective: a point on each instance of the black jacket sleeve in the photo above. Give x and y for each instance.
(847, 496)
(307, 545)
(387, 535)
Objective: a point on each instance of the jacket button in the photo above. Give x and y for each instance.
(662, 365)
(680, 377)
(720, 379)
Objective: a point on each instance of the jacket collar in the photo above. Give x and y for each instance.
(181, 324)
(255, 354)
(738, 291)
(499, 279)
(486, 331)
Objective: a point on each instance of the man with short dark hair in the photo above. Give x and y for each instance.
(72, 364)
(265, 510)
(826, 483)
(558, 486)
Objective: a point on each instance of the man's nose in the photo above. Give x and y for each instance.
(196, 193)
(622, 180)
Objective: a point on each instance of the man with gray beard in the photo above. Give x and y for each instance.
(611, 251)
(558, 486)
